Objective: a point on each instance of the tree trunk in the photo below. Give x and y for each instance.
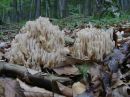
(16, 13)
(31, 9)
(86, 8)
(37, 8)
(48, 8)
(62, 8)
(21, 9)
(3, 14)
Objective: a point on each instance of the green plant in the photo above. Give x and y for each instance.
(84, 71)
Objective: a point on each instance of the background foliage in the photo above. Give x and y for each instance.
(68, 13)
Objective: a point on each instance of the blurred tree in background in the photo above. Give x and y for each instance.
(19, 10)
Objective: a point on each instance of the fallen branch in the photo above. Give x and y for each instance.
(21, 72)
(36, 91)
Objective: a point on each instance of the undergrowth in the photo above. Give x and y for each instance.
(76, 20)
(84, 69)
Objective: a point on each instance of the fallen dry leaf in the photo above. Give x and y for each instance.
(117, 84)
(65, 90)
(11, 88)
(78, 88)
(121, 91)
(66, 70)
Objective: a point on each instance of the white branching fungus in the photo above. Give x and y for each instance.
(41, 44)
(93, 43)
(38, 43)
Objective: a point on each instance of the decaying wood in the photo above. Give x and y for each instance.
(33, 91)
(12, 70)
(37, 94)
(21, 72)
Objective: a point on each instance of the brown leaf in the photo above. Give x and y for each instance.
(71, 60)
(78, 88)
(65, 90)
(94, 70)
(66, 70)
(11, 88)
(116, 82)
(121, 91)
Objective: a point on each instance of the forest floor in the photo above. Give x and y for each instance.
(73, 80)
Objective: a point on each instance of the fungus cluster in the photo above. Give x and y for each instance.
(39, 42)
(93, 43)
